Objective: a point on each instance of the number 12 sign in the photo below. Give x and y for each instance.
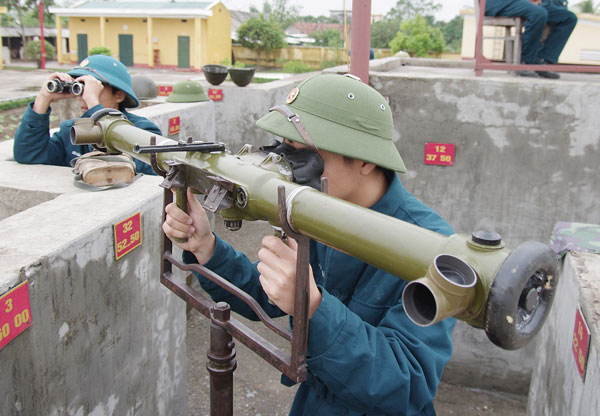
(439, 154)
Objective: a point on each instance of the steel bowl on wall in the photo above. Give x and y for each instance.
(241, 76)
(215, 74)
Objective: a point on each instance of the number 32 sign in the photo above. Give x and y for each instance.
(128, 235)
(439, 154)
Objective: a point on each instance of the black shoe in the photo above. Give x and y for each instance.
(530, 74)
(546, 74)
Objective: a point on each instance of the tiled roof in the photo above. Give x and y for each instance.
(133, 8)
(143, 5)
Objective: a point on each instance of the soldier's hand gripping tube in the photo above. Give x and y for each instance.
(474, 278)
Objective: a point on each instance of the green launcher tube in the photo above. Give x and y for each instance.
(476, 278)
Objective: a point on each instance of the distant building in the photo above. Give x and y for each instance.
(149, 33)
(12, 41)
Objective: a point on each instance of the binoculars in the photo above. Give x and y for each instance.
(56, 85)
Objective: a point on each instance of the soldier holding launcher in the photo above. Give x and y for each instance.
(364, 355)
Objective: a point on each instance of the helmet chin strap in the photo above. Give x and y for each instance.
(295, 119)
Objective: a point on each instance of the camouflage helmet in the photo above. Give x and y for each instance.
(187, 92)
(108, 70)
(341, 115)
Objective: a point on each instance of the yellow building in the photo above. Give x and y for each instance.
(149, 33)
(581, 48)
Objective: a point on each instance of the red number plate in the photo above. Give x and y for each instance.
(165, 90)
(581, 342)
(128, 235)
(215, 94)
(174, 125)
(15, 313)
(439, 154)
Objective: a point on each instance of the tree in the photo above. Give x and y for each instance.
(409, 9)
(261, 34)
(452, 32)
(285, 14)
(25, 13)
(383, 31)
(279, 10)
(33, 51)
(328, 37)
(418, 38)
(587, 6)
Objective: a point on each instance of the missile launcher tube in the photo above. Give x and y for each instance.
(430, 261)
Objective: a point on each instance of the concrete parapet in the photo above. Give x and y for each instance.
(557, 387)
(106, 337)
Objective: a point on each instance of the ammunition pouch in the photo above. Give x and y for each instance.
(307, 166)
(99, 171)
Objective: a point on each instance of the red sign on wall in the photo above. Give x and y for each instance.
(165, 90)
(15, 313)
(215, 94)
(581, 342)
(174, 125)
(439, 154)
(128, 235)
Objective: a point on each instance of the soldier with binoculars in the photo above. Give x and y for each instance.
(98, 82)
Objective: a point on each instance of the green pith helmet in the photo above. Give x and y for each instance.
(107, 69)
(342, 115)
(187, 92)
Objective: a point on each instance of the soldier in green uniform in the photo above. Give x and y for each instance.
(364, 355)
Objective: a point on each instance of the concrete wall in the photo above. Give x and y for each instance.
(107, 337)
(557, 387)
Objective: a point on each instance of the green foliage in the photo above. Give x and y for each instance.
(452, 32)
(587, 6)
(259, 80)
(32, 50)
(284, 14)
(317, 19)
(26, 13)
(239, 64)
(330, 64)
(261, 34)
(328, 37)
(409, 9)
(9, 105)
(296, 67)
(100, 50)
(418, 38)
(383, 31)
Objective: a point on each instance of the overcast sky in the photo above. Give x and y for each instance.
(450, 8)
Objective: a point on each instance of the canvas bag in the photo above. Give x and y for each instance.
(100, 170)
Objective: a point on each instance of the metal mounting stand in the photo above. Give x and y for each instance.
(221, 354)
